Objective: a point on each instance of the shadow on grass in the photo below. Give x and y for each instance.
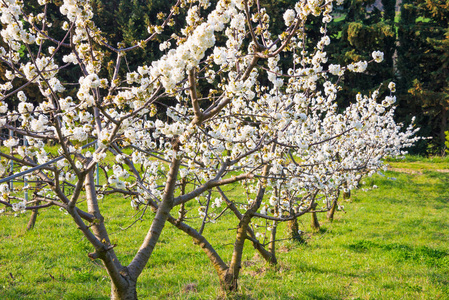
(414, 184)
(401, 252)
(332, 271)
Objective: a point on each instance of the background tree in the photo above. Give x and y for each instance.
(126, 23)
(423, 57)
(358, 27)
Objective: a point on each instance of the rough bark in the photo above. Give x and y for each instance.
(331, 212)
(314, 223)
(293, 230)
(124, 293)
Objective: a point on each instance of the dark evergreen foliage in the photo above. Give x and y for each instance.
(423, 70)
(360, 27)
(416, 50)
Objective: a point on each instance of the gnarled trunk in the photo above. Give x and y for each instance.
(229, 282)
(293, 231)
(124, 293)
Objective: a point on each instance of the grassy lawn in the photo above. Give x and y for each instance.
(392, 243)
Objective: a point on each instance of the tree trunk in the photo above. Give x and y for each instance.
(292, 229)
(163, 212)
(229, 282)
(258, 246)
(330, 214)
(33, 217)
(272, 246)
(315, 224)
(128, 293)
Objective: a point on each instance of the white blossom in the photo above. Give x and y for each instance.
(289, 16)
(378, 56)
(11, 142)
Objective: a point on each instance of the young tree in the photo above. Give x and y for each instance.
(233, 114)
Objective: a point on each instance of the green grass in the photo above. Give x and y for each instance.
(422, 159)
(390, 244)
(419, 163)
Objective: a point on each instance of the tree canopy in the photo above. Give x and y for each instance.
(243, 102)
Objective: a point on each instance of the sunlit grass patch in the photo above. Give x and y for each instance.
(390, 243)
